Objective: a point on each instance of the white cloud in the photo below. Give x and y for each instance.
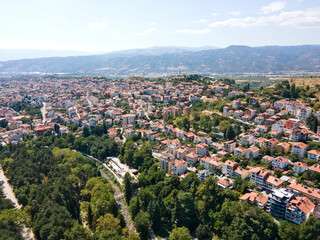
(273, 7)
(152, 23)
(214, 14)
(49, 45)
(194, 32)
(101, 24)
(148, 31)
(203, 20)
(297, 19)
(235, 13)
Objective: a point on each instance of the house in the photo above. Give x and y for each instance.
(267, 159)
(224, 183)
(252, 152)
(192, 158)
(299, 209)
(300, 190)
(259, 120)
(271, 143)
(202, 149)
(239, 151)
(179, 167)
(228, 167)
(315, 168)
(229, 146)
(280, 162)
(298, 134)
(299, 148)
(315, 137)
(216, 146)
(41, 129)
(247, 139)
(262, 128)
(182, 153)
(314, 155)
(274, 133)
(210, 163)
(299, 167)
(241, 172)
(261, 142)
(292, 123)
(204, 174)
(255, 199)
(258, 176)
(273, 183)
(283, 147)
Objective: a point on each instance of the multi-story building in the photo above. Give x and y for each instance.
(202, 149)
(299, 167)
(299, 148)
(179, 167)
(228, 167)
(299, 209)
(278, 201)
(314, 155)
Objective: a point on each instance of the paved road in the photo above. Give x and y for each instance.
(7, 190)
(118, 196)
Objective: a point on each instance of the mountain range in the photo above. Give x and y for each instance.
(163, 61)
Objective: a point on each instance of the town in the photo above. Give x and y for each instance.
(262, 143)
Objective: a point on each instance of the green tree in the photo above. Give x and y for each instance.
(86, 132)
(230, 134)
(127, 187)
(141, 222)
(181, 233)
(108, 223)
(203, 232)
(56, 128)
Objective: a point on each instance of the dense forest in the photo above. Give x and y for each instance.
(61, 192)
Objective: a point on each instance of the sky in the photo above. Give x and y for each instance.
(104, 25)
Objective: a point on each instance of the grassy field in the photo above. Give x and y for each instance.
(311, 82)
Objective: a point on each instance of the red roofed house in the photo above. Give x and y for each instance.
(40, 130)
(299, 148)
(299, 167)
(179, 167)
(202, 149)
(314, 155)
(252, 152)
(239, 151)
(223, 183)
(315, 168)
(301, 190)
(228, 167)
(299, 209)
(255, 198)
(192, 158)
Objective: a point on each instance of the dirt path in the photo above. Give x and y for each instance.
(7, 190)
(118, 196)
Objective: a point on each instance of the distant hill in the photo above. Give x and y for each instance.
(169, 60)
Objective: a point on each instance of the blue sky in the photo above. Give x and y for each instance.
(103, 25)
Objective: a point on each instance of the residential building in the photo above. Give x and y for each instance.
(299, 209)
(179, 167)
(299, 148)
